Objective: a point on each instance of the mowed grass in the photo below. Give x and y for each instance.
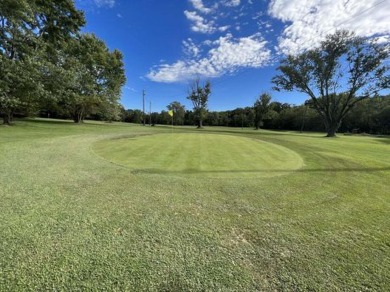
(70, 219)
(201, 155)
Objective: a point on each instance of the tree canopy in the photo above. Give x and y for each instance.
(46, 60)
(178, 112)
(199, 96)
(261, 108)
(344, 70)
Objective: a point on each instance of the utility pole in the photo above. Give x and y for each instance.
(143, 106)
(150, 113)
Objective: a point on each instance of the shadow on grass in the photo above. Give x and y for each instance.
(46, 121)
(247, 131)
(196, 171)
(384, 139)
(261, 132)
(49, 121)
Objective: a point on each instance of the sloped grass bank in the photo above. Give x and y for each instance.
(70, 220)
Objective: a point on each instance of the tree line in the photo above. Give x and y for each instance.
(342, 79)
(47, 64)
(369, 116)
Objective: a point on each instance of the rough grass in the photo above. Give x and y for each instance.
(71, 220)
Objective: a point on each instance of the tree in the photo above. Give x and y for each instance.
(369, 116)
(344, 70)
(199, 95)
(27, 30)
(179, 112)
(212, 119)
(18, 91)
(261, 108)
(91, 77)
(133, 116)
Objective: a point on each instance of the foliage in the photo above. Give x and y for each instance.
(46, 63)
(92, 78)
(132, 116)
(178, 112)
(261, 109)
(344, 70)
(369, 116)
(199, 96)
(30, 31)
(18, 89)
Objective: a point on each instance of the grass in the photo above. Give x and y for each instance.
(158, 220)
(203, 155)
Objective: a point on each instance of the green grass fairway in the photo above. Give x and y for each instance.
(122, 207)
(204, 155)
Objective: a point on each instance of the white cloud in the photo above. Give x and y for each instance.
(130, 88)
(312, 20)
(231, 3)
(198, 5)
(103, 3)
(223, 28)
(227, 55)
(190, 48)
(199, 24)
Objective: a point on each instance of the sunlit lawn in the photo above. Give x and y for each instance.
(124, 207)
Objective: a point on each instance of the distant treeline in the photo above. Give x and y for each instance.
(369, 116)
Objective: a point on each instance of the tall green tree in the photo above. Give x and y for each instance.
(91, 79)
(27, 30)
(342, 71)
(199, 96)
(179, 112)
(261, 108)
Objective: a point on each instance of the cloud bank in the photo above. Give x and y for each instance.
(311, 20)
(222, 42)
(227, 55)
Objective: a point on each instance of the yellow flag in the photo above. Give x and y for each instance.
(170, 112)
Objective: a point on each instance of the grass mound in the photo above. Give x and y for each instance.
(198, 154)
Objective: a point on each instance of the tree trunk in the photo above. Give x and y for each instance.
(77, 119)
(331, 133)
(7, 118)
(331, 128)
(200, 124)
(78, 116)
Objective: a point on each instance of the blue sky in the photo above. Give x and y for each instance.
(236, 44)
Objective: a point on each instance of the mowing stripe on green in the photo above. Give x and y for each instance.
(210, 155)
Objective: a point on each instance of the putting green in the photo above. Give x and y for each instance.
(200, 154)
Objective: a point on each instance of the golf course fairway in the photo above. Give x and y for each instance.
(123, 207)
(210, 155)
